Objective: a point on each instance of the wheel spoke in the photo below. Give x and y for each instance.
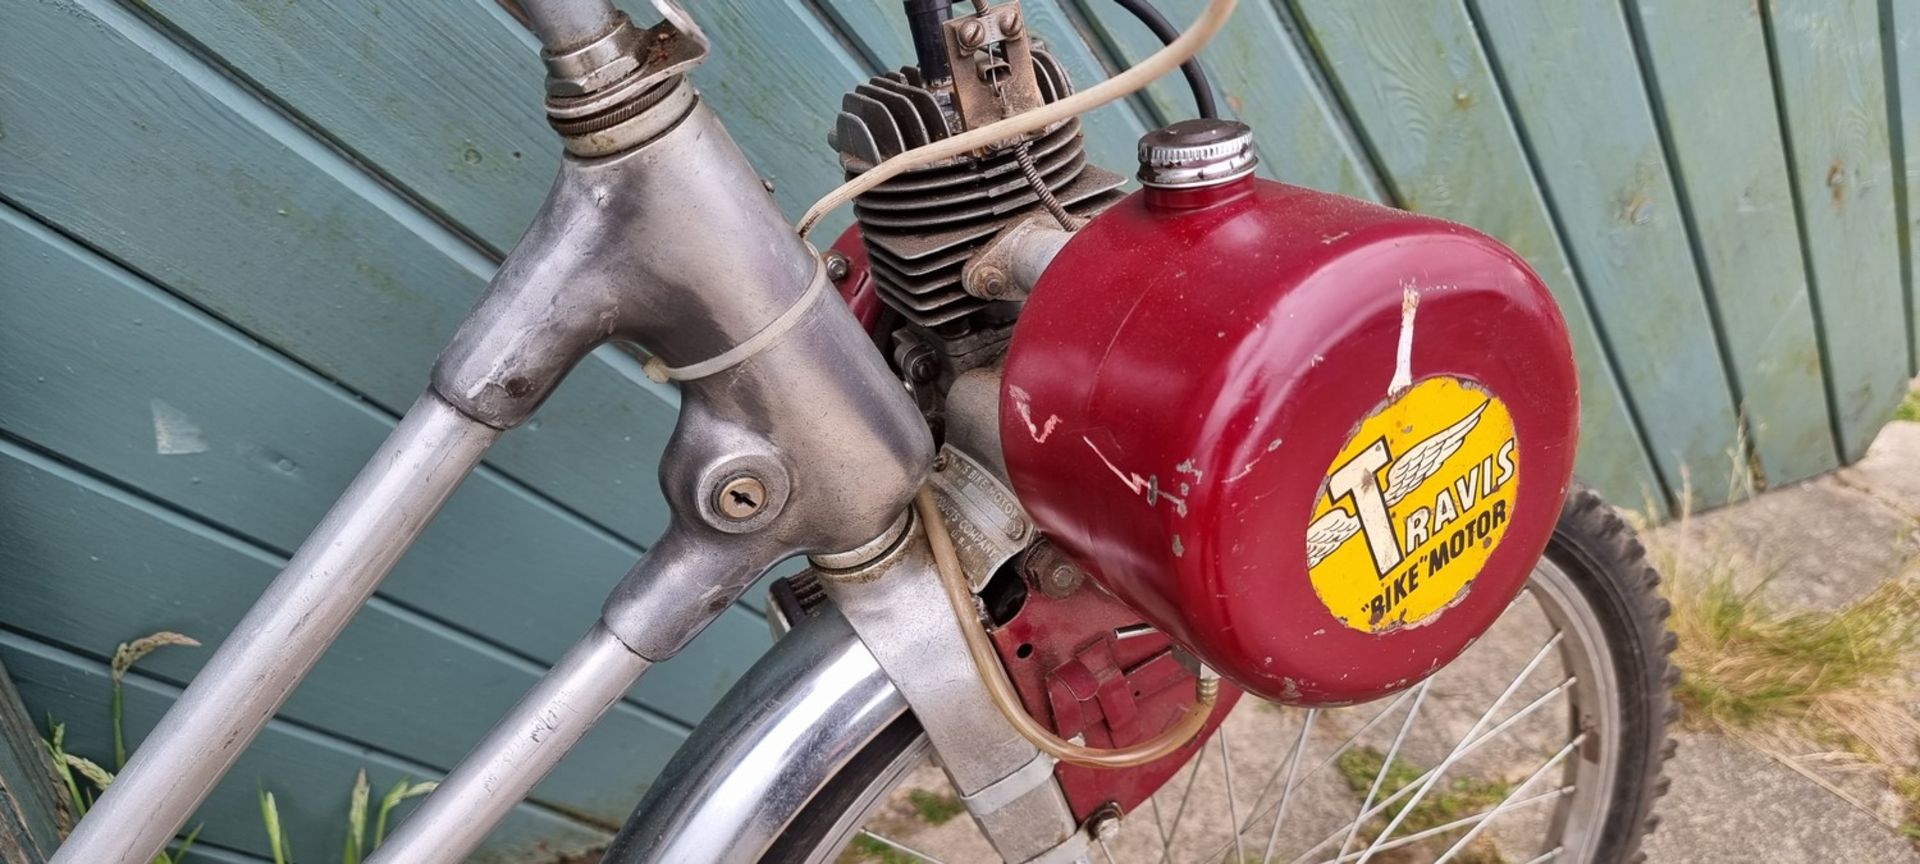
(1460, 823)
(1286, 794)
(1105, 852)
(1393, 752)
(899, 846)
(1166, 840)
(1258, 810)
(1506, 805)
(1458, 748)
(1490, 735)
(1233, 809)
(1546, 856)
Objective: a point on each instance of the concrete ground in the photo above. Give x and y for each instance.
(1822, 543)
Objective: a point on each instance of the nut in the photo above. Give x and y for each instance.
(837, 266)
(972, 34)
(991, 282)
(1106, 827)
(1051, 572)
(740, 498)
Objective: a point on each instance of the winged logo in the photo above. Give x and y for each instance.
(1421, 461)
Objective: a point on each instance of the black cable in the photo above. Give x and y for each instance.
(1162, 30)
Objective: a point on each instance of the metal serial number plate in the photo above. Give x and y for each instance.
(986, 521)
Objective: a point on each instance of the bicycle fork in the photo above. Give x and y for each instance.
(658, 232)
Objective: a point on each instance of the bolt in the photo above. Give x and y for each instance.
(1106, 827)
(972, 34)
(741, 497)
(1052, 573)
(991, 281)
(1011, 25)
(837, 266)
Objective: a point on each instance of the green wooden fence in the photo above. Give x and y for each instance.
(233, 235)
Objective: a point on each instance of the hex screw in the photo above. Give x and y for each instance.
(838, 266)
(972, 34)
(741, 497)
(1052, 573)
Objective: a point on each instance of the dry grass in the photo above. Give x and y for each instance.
(1828, 689)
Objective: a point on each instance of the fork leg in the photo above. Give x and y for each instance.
(398, 492)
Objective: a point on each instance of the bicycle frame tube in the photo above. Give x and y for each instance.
(665, 238)
(283, 635)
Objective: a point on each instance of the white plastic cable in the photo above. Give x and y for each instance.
(658, 370)
(1138, 76)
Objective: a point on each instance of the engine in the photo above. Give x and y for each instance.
(1316, 443)
(920, 230)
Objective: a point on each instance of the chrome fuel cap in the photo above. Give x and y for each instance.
(1193, 153)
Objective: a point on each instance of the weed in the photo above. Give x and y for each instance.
(66, 765)
(71, 769)
(1909, 407)
(1456, 799)
(1751, 665)
(1833, 682)
(867, 850)
(935, 807)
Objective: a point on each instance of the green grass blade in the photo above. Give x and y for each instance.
(276, 840)
(400, 792)
(56, 745)
(356, 821)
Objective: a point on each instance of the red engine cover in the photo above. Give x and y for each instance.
(1317, 441)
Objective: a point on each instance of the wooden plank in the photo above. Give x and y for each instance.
(85, 566)
(1112, 132)
(1259, 77)
(271, 445)
(1423, 95)
(1902, 51)
(1723, 125)
(1583, 109)
(1833, 90)
(446, 101)
(167, 166)
(33, 814)
(311, 775)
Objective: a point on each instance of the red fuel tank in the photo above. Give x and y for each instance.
(1317, 441)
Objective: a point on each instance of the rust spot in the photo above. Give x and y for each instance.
(1235, 103)
(1837, 181)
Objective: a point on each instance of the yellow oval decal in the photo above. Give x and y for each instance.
(1413, 506)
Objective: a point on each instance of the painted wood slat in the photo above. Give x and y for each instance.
(167, 166)
(1259, 77)
(1833, 91)
(446, 100)
(32, 811)
(93, 361)
(1584, 110)
(1724, 130)
(1902, 24)
(1112, 131)
(310, 775)
(1424, 97)
(85, 566)
(438, 96)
